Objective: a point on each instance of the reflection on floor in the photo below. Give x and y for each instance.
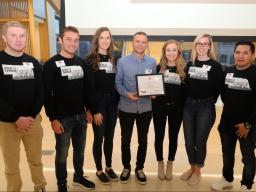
(211, 172)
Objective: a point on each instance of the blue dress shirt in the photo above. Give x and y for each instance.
(127, 69)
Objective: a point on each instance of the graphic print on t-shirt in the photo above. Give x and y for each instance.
(72, 72)
(107, 66)
(199, 72)
(19, 72)
(237, 82)
(172, 78)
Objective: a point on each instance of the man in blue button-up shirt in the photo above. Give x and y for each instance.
(132, 107)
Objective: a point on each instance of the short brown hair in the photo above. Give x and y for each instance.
(140, 33)
(12, 24)
(68, 28)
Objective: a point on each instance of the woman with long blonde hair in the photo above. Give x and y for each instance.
(204, 80)
(170, 105)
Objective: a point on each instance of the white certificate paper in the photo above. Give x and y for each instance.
(150, 84)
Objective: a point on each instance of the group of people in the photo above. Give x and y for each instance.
(100, 89)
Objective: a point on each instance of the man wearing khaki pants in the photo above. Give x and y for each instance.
(21, 99)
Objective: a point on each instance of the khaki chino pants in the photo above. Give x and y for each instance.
(10, 140)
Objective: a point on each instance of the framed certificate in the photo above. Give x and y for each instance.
(150, 84)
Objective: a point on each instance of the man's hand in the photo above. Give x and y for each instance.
(24, 124)
(242, 131)
(133, 96)
(89, 116)
(98, 119)
(57, 126)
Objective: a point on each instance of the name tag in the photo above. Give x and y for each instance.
(229, 78)
(28, 64)
(148, 71)
(60, 63)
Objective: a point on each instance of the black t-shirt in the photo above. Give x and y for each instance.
(104, 80)
(21, 87)
(203, 79)
(174, 94)
(104, 76)
(67, 86)
(239, 96)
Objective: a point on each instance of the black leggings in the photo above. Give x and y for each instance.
(174, 115)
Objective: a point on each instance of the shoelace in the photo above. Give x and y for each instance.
(141, 174)
(125, 172)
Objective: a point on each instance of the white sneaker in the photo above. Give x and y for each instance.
(244, 188)
(168, 174)
(161, 174)
(222, 184)
(194, 179)
(186, 175)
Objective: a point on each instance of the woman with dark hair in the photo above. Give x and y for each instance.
(104, 112)
(170, 105)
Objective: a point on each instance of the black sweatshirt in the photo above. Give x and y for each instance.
(174, 93)
(204, 79)
(239, 96)
(67, 86)
(104, 81)
(21, 87)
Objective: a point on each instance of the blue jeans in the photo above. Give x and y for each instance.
(108, 109)
(198, 119)
(75, 129)
(247, 146)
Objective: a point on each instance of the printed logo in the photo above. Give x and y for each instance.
(172, 78)
(19, 72)
(199, 72)
(237, 82)
(72, 72)
(107, 66)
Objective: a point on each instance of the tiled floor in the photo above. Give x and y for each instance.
(211, 172)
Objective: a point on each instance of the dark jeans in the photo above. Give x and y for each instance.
(74, 129)
(198, 119)
(174, 115)
(247, 146)
(142, 123)
(108, 109)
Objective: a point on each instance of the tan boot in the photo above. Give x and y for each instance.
(168, 174)
(161, 174)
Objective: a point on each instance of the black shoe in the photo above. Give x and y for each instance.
(141, 177)
(111, 174)
(62, 187)
(124, 177)
(84, 183)
(103, 178)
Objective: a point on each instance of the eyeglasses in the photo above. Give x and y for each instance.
(202, 44)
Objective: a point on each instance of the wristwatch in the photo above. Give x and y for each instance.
(247, 125)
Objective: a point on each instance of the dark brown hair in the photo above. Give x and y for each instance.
(94, 54)
(68, 28)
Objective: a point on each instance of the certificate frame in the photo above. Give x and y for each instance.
(150, 85)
